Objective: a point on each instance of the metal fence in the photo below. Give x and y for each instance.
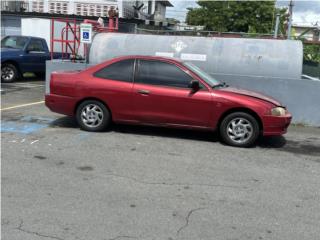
(205, 33)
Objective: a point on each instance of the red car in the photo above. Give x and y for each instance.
(164, 92)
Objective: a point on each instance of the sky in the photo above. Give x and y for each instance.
(304, 12)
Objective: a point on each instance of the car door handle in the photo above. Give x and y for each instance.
(144, 92)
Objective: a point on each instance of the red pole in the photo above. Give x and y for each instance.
(52, 38)
(62, 39)
(111, 24)
(67, 38)
(75, 36)
(117, 23)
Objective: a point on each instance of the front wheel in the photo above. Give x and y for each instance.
(93, 116)
(9, 73)
(239, 129)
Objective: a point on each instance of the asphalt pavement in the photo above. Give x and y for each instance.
(59, 182)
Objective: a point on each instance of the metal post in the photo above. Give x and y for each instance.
(290, 19)
(52, 38)
(67, 37)
(276, 29)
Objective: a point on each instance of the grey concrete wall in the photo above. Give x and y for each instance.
(58, 65)
(302, 97)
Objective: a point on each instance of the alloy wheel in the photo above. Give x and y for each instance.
(7, 73)
(239, 130)
(92, 115)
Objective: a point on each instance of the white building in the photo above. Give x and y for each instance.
(311, 33)
(69, 7)
(153, 10)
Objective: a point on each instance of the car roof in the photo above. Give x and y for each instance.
(24, 36)
(151, 57)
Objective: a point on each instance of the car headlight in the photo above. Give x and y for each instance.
(278, 111)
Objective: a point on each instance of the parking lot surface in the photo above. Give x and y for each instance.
(59, 182)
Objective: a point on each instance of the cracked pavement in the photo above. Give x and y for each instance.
(59, 182)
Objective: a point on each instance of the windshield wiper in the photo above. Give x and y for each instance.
(219, 85)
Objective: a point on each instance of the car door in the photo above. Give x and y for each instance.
(35, 56)
(162, 96)
(113, 84)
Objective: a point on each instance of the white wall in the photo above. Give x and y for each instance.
(36, 27)
(39, 27)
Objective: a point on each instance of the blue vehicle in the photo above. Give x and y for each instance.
(21, 54)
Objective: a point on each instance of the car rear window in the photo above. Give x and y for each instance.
(119, 71)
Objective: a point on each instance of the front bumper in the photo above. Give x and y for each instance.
(273, 125)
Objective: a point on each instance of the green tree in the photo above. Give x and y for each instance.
(236, 16)
(311, 52)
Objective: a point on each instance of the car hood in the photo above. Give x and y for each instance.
(252, 94)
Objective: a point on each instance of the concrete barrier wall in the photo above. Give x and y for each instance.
(58, 65)
(302, 97)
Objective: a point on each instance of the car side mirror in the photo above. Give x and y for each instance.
(194, 85)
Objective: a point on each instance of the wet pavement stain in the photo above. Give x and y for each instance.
(309, 146)
(39, 157)
(174, 154)
(85, 168)
(298, 147)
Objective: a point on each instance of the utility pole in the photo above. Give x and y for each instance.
(290, 18)
(277, 26)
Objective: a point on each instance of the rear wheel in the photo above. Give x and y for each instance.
(9, 73)
(239, 129)
(93, 116)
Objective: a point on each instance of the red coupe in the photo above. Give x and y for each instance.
(164, 92)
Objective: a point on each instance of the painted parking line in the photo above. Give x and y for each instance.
(22, 105)
(26, 85)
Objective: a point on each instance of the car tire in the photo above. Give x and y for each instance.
(9, 73)
(239, 129)
(93, 116)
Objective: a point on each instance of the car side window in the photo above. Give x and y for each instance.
(161, 73)
(36, 45)
(120, 71)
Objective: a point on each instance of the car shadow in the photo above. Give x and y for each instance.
(70, 122)
(166, 132)
(271, 142)
(263, 142)
(64, 122)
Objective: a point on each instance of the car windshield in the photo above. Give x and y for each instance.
(205, 76)
(14, 42)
